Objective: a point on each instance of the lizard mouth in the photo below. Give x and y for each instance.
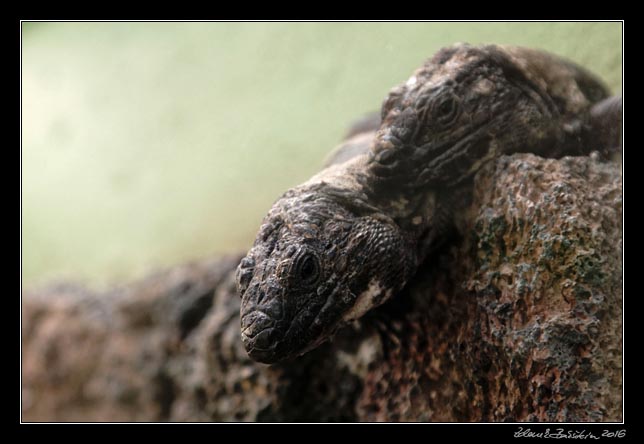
(268, 340)
(273, 330)
(260, 329)
(393, 161)
(260, 336)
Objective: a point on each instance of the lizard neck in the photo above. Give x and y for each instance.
(350, 184)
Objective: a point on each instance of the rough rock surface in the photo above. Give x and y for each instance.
(518, 319)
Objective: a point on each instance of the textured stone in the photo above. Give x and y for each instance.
(517, 319)
(521, 320)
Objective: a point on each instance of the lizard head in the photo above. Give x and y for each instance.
(314, 266)
(468, 104)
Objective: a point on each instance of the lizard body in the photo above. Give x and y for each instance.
(351, 237)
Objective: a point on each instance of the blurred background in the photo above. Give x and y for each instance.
(149, 144)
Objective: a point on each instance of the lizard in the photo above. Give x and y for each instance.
(348, 239)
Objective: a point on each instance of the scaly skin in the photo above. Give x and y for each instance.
(351, 237)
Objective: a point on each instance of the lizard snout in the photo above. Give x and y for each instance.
(259, 324)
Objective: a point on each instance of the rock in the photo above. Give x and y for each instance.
(517, 319)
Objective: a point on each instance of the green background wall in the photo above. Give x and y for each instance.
(147, 144)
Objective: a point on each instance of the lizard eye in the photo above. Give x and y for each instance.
(446, 110)
(308, 269)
